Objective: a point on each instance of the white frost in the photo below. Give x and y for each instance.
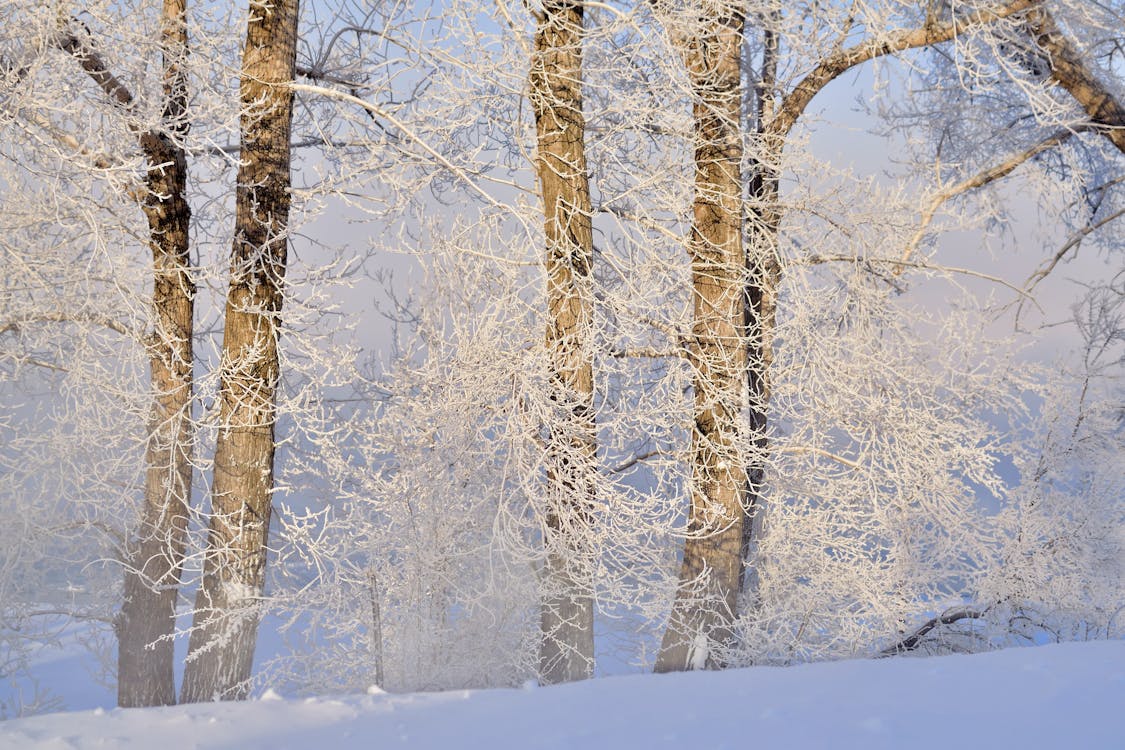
(697, 654)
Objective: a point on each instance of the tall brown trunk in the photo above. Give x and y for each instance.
(224, 631)
(155, 554)
(710, 575)
(567, 611)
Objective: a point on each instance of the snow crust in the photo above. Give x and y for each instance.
(1069, 695)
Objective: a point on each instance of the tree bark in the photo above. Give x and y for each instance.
(154, 553)
(948, 617)
(1071, 72)
(763, 274)
(710, 574)
(567, 610)
(224, 631)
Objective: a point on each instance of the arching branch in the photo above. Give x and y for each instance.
(948, 617)
(834, 65)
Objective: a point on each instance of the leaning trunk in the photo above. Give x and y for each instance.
(224, 631)
(1070, 71)
(154, 556)
(702, 614)
(567, 611)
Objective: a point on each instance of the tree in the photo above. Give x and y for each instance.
(224, 632)
(712, 561)
(154, 559)
(567, 621)
(154, 551)
(736, 295)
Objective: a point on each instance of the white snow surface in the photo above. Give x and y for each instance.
(1058, 696)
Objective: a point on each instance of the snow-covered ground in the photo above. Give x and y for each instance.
(1060, 696)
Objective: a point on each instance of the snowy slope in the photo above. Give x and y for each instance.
(1061, 696)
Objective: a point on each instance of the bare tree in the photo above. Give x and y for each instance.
(224, 632)
(155, 556)
(153, 553)
(736, 291)
(712, 561)
(567, 620)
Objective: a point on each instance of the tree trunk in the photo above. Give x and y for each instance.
(567, 611)
(1070, 71)
(710, 575)
(376, 636)
(762, 277)
(224, 631)
(155, 554)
